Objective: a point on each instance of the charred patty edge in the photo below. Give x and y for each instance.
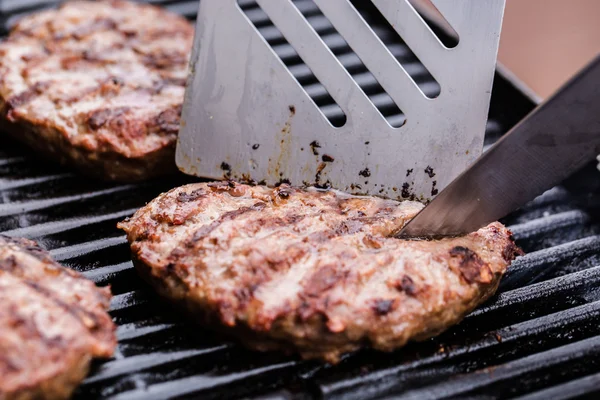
(25, 263)
(319, 338)
(52, 144)
(125, 155)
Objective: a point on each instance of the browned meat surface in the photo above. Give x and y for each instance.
(52, 323)
(98, 85)
(310, 271)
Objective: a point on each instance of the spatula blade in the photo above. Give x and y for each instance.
(246, 116)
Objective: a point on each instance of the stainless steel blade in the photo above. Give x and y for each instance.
(245, 115)
(554, 141)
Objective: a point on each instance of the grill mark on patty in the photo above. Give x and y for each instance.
(275, 261)
(99, 118)
(228, 216)
(168, 120)
(9, 264)
(174, 82)
(100, 24)
(471, 266)
(25, 325)
(107, 88)
(87, 318)
(324, 279)
(164, 59)
(25, 97)
(349, 227)
(194, 195)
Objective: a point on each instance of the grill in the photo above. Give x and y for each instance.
(539, 338)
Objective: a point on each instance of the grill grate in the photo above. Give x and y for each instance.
(538, 338)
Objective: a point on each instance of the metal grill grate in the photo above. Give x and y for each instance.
(538, 338)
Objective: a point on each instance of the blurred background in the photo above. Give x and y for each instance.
(544, 42)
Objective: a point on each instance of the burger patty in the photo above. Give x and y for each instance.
(98, 85)
(318, 272)
(52, 323)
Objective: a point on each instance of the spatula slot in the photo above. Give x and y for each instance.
(437, 22)
(389, 36)
(360, 73)
(290, 57)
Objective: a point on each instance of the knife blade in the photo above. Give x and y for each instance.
(552, 142)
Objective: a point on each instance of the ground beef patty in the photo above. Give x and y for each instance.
(52, 323)
(98, 85)
(312, 271)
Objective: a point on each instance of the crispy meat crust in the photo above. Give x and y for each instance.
(98, 85)
(52, 323)
(316, 272)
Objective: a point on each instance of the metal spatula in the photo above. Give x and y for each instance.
(246, 117)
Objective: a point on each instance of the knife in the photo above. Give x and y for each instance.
(555, 140)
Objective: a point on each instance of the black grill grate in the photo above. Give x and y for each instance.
(538, 338)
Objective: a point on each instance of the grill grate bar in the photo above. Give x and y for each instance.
(127, 300)
(562, 290)
(577, 388)
(6, 184)
(49, 228)
(104, 274)
(544, 225)
(69, 252)
(560, 357)
(142, 362)
(195, 384)
(538, 264)
(13, 160)
(491, 346)
(134, 331)
(19, 208)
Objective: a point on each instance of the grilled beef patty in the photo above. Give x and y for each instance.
(98, 85)
(52, 323)
(317, 272)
